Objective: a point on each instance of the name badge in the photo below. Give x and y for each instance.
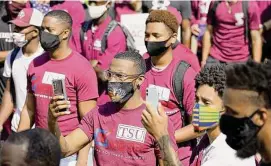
(48, 77)
(163, 92)
(98, 43)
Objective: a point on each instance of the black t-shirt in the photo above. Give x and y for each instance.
(6, 42)
(184, 7)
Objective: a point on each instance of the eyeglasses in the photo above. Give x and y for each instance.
(119, 76)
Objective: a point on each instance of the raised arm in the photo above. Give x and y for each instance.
(73, 142)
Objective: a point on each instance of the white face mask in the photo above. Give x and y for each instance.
(19, 39)
(97, 11)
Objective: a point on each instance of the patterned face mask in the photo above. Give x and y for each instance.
(204, 117)
(120, 92)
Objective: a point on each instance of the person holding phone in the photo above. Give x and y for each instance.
(162, 65)
(120, 137)
(59, 62)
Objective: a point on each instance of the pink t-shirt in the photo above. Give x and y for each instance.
(123, 8)
(181, 52)
(229, 40)
(120, 138)
(199, 11)
(91, 48)
(77, 12)
(80, 81)
(265, 14)
(163, 80)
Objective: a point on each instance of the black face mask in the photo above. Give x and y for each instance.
(241, 134)
(156, 48)
(120, 92)
(48, 41)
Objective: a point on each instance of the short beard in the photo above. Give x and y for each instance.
(249, 150)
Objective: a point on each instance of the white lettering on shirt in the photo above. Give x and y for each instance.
(97, 45)
(131, 133)
(239, 17)
(48, 77)
(162, 92)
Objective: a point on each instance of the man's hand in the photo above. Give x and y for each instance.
(94, 63)
(195, 29)
(202, 64)
(57, 103)
(155, 123)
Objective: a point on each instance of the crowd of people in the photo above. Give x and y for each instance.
(213, 85)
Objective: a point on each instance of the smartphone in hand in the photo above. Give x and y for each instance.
(60, 89)
(153, 97)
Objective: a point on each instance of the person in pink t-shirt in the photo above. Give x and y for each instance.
(116, 127)
(77, 12)
(57, 63)
(91, 41)
(160, 35)
(198, 22)
(233, 32)
(74, 8)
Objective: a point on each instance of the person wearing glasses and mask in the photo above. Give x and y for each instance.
(26, 39)
(59, 62)
(120, 137)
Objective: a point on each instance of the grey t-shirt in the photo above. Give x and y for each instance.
(184, 7)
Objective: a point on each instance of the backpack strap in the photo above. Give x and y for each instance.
(245, 11)
(111, 26)
(178, 88)
(213, 12)
(83, 31)
(12, 86)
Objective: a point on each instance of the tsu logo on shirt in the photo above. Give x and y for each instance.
(239, 17)
(131, 133)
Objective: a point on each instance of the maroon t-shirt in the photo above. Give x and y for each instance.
(163, 80)
(120, 138)
(77, 12)
(123, 7)
(229, 40)
(91, 46)
(199, 11)
(80, 81)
